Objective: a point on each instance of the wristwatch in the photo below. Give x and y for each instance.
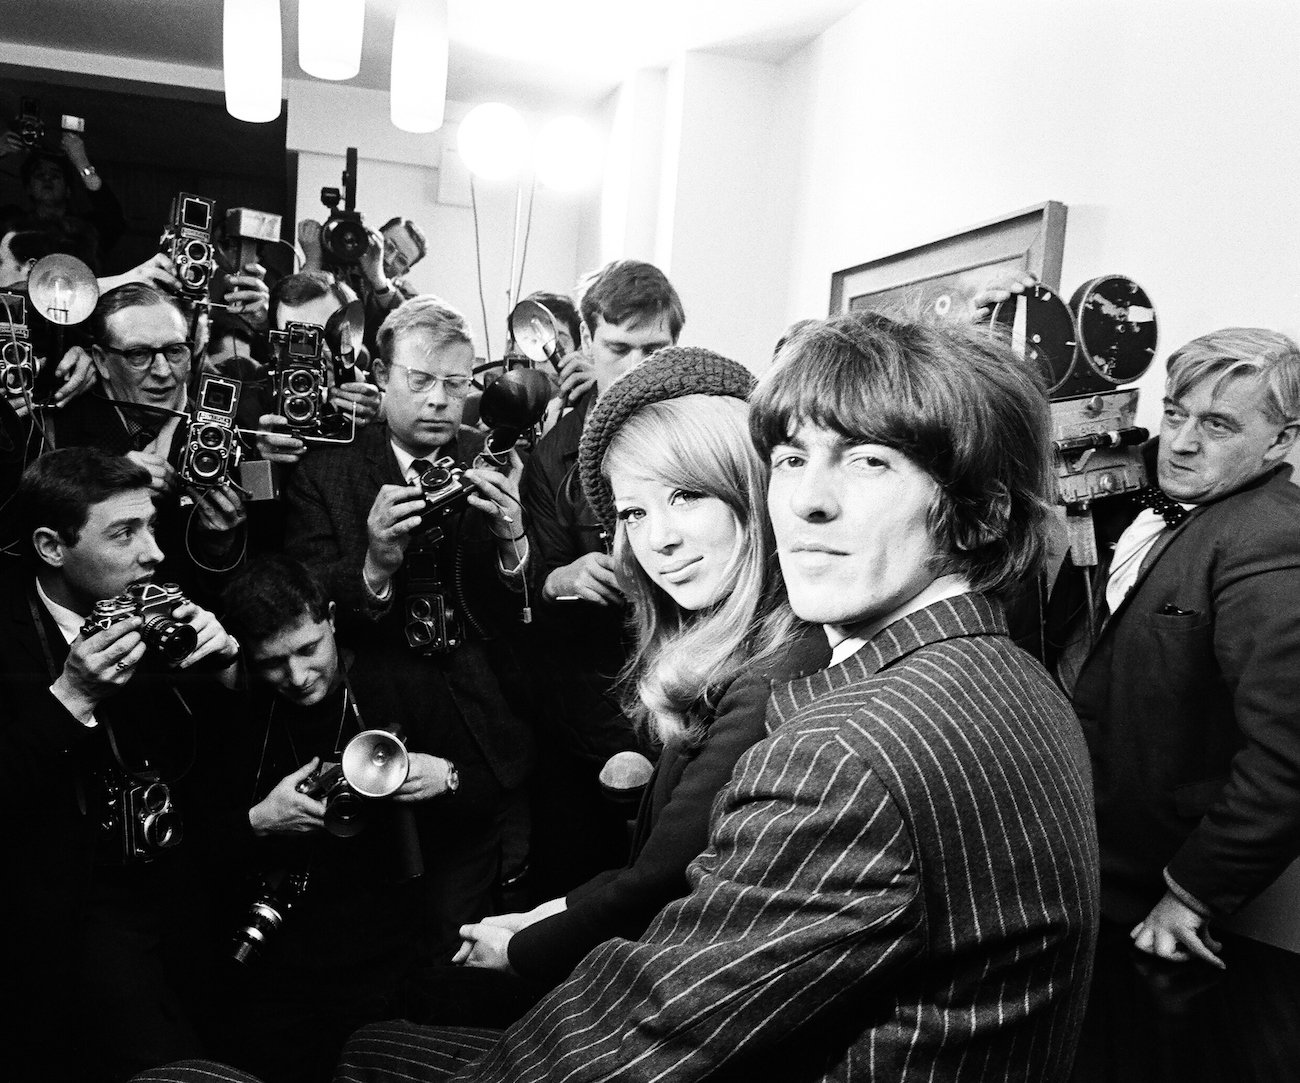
(89, 171)
(453, 779)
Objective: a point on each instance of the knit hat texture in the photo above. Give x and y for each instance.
(671, 373)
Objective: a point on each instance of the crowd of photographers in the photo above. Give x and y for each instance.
(314, 635)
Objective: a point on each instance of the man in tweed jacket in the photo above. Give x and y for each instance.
(901, 880)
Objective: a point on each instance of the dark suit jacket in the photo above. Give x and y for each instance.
(328, 500)
(901, 883)
(672, 826)
(1190, 702)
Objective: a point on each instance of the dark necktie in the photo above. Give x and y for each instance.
(418, 467)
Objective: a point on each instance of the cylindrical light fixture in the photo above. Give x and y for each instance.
(568, 155)
(329, 37)
(419, 79)
(493, 141)
(252, 52)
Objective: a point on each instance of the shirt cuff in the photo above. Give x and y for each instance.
(512, 575)
(376, 595)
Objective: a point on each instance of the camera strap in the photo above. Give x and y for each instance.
(38, 622)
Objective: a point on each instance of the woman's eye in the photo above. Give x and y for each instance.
(630, 515)
(682, 496)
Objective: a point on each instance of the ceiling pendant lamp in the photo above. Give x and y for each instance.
(419, 75)
(329, 37)
(251, 59)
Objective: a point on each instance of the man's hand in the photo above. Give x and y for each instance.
(484, 946)
(246, 294)
(214, 640)
(75, 148)
(982, 303)
(75, 374)
(1175, 931)
(577, 376)
(393, 518)
(372, 262)
(309, 239)
(155, 271)
(427, 778)
(285, 811)
(275, 443)
(496, 495)
(162, 475)
(98, 665)
(11, 143)
(364, 397)
(591, 577)
(220, 510)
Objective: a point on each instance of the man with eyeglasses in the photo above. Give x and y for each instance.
(143, 355)
(425, 589)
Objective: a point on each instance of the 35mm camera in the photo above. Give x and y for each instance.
(156, 603)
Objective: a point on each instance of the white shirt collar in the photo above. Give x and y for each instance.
(845, 646)
(69, 622)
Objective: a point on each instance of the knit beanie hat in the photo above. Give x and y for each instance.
(671, 373)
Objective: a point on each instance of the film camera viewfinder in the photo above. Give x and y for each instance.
(187, 241)
(211, 451)
(174, 640)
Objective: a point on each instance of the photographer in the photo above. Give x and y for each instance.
(628, 312)
(49, 180)
(428, 598)
(377, 276)
(100, 905)
(143, 359)
(362, 921)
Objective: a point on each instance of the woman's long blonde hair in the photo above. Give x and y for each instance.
(683, 660)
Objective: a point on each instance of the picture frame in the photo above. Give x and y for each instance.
(942, 276)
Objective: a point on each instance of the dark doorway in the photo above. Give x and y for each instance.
(149, 143)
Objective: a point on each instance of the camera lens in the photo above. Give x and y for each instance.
(299, 409)
(17, 379)
(197, 251)
(162, 830)
(418, 634)
(420, 609)
(154, 797)
(301, 382)
(343, 814)
(212, 436)
(206, 464)
(172, 639)
(263, 920)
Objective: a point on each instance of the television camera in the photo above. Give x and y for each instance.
(343, 237)
(1086, 351)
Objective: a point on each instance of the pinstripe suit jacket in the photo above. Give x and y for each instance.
(901, 884)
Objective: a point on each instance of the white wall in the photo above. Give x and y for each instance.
(1168, 127)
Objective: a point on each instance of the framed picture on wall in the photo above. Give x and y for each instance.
(942, 277)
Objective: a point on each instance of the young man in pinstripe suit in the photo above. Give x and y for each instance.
(901, 880)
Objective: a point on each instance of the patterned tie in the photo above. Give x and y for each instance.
(1168, 509)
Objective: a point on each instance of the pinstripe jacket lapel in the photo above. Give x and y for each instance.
(964, 615)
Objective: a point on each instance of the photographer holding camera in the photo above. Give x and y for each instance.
(341, 872)
(422, 552)
(49, 179)
(143, 358)
(97, 738)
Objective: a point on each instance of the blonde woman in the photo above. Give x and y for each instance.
(668, 466)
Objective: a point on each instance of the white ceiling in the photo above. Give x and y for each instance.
(549, 52)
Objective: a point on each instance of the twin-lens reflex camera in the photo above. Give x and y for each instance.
(187, 242)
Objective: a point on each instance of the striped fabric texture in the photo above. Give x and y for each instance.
(901, 884)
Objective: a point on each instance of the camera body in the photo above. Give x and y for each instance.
(28, 125)
(432, 626)
(187, 241)
(17, 364)
(343, 237)
(140, 820)
(155, 602)
(344, 813)
(212, 452)
(301, 376)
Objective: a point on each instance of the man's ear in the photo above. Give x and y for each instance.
(1283, 442)
(100, 360)
(379, 370)
(329, 616)
(585, 344)
(49, 546)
